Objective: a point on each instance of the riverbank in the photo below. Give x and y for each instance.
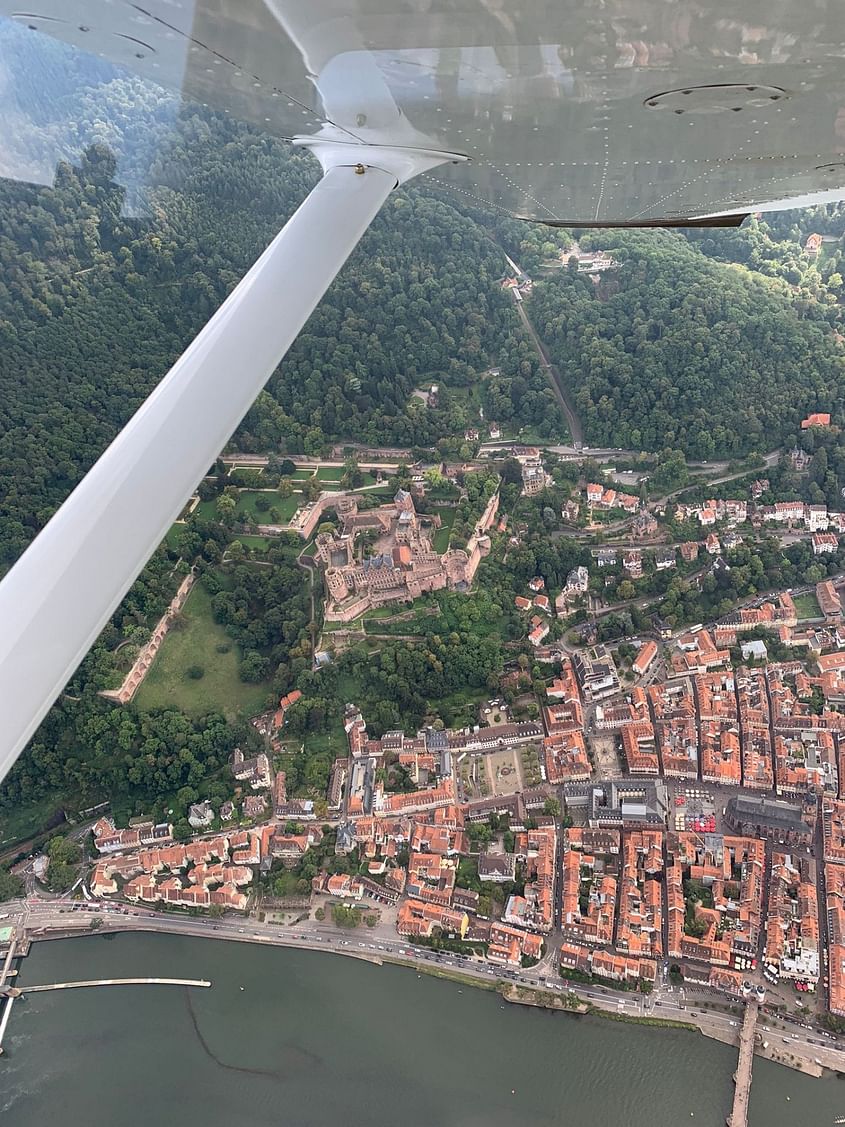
(329, 1043)
(381, 945)
(544, 999)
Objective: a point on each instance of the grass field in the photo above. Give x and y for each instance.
(286, 506)
(257, 543)
(206, 510)
(355, 624)
(441, 536)
(330, 473)
(167, 685)
(807, 606)
(334, 742)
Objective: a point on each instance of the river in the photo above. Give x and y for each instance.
(315, 1039)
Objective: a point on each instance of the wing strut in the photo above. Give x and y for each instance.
(64, 588)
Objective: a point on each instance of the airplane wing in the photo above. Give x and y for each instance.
(630, 111)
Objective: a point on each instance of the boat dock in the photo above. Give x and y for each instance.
(8, 994)
(116, 982)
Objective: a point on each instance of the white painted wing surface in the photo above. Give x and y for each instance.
(629, 110)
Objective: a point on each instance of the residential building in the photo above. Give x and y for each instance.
(788, 511)
(812, 246)
(828, 599)
(140, 832)
(820, 418)
(508, 945)
(565, 757)
(664, 558)
(689, 551)
(498, 868)
(200, 815)
(254, 806)
(645, 658)
(604, 557)
(792, 924)
(632, 562)
(824, 542)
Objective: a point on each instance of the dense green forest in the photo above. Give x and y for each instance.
(95, 304)
(674, 350)
(89, 320)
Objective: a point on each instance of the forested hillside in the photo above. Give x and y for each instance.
(674, 350)
(95, 305)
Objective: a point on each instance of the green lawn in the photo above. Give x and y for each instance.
(167, 685)
(286, 506)
(355, 624)
(334, 742)
(330, 473)
(301, 475)
(258, 543)
(441, 536)
(807, 606)
(470, 397)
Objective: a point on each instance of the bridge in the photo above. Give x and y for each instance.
(116, 982)
(5, 972)
(742, 1077)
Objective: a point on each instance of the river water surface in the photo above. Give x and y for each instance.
(317, 1039)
